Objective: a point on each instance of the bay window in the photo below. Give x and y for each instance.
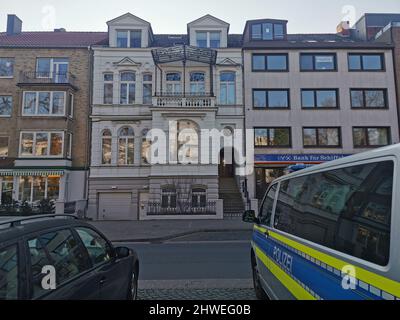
(69, 145)
(41, 144)
(47, 103)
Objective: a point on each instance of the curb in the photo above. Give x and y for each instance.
(179, 235)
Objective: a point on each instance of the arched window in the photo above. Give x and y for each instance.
(174, 83)
(228, 88)
(126, 146)
(188, 142)
(106, 149)
(146, 147)
(197, 83)
(128, 88)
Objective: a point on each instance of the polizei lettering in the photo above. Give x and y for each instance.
(284, 259)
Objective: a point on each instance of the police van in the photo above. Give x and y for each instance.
(331, 232)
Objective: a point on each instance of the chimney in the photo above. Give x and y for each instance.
(14, 25)
(60, 30)
(343, 29)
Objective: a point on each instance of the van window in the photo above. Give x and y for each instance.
(348, 210)
(9, 273)
(268, 206)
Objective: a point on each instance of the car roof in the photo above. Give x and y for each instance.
(11, 230)
(393, 150)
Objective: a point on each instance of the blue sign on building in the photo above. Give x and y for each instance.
(297, 158)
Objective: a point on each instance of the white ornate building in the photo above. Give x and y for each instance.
(142, 81)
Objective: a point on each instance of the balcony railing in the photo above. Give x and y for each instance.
(187, 101)
(36, 78)
(183, 208)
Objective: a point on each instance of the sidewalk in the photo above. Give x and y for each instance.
(145, 231)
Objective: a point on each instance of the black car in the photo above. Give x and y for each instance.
(85, 264)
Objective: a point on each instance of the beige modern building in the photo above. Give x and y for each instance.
(44, 108)
(314, 98)
(144, 81)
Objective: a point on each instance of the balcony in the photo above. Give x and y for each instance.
(183, 101)
(46, 78)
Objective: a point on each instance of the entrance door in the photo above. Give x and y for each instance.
(143, 203)
(226, 166)
(115, 206)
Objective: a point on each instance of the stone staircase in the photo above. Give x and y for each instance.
(233, 202)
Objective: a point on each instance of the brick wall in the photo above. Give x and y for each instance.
(25, 61)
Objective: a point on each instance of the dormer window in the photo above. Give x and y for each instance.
(129, 39)
(208, 39)
(268, 31)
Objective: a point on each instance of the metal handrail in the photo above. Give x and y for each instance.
(17, 222)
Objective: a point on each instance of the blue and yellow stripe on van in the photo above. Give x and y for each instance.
(317, 275)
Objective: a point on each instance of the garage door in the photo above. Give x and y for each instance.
(115, 206)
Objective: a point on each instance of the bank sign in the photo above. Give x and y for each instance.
(289, 159)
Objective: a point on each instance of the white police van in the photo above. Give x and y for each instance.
(331, 232)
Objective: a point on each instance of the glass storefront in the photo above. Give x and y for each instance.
(264, 177)
(33, 189)
(6, 190)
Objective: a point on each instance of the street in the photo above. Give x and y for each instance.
(193, 268)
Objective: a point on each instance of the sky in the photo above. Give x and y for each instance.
(172, 16)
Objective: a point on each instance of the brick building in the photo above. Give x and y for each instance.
(44, 106)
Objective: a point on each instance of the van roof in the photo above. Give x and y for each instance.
(392, 150)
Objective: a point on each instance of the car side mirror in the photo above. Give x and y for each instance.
(122, 252)
(250, 216)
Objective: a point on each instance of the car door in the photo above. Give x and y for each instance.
(114, 274)
(74, 275)
(10, 271)
(261, 238)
